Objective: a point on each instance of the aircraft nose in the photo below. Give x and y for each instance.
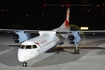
(21, 58)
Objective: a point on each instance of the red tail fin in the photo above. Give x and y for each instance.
(65, 25)
(66, 22)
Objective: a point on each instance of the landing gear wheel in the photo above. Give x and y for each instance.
(76, 51)
(24, 64)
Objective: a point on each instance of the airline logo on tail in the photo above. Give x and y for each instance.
(67, 18)
(66, 23)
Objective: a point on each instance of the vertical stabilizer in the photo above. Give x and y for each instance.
(66, 22)
(65, 26)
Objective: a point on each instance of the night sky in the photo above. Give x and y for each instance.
(49, 14)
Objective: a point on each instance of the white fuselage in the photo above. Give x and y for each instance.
(35, 46)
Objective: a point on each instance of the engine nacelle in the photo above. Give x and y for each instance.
(21, 36)
(71, 37)
(74, 37)
(16, 37)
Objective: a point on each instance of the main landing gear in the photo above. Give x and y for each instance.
(24, 64)
(76, 51)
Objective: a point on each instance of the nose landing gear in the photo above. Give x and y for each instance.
(76, 51)
(24, 64)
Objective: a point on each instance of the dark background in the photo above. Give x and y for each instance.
(49, 14)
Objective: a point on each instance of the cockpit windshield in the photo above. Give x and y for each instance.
(28, 46)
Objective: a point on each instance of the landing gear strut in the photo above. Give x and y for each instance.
(24, 64)
(76, 51)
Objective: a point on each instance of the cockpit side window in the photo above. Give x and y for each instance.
(34, 46)
(22, 46)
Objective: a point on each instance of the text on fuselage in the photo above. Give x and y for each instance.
(43, 41)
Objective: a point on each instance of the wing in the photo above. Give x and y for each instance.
(22, 35)
(19, 36)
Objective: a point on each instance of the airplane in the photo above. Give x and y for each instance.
(32, 47)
